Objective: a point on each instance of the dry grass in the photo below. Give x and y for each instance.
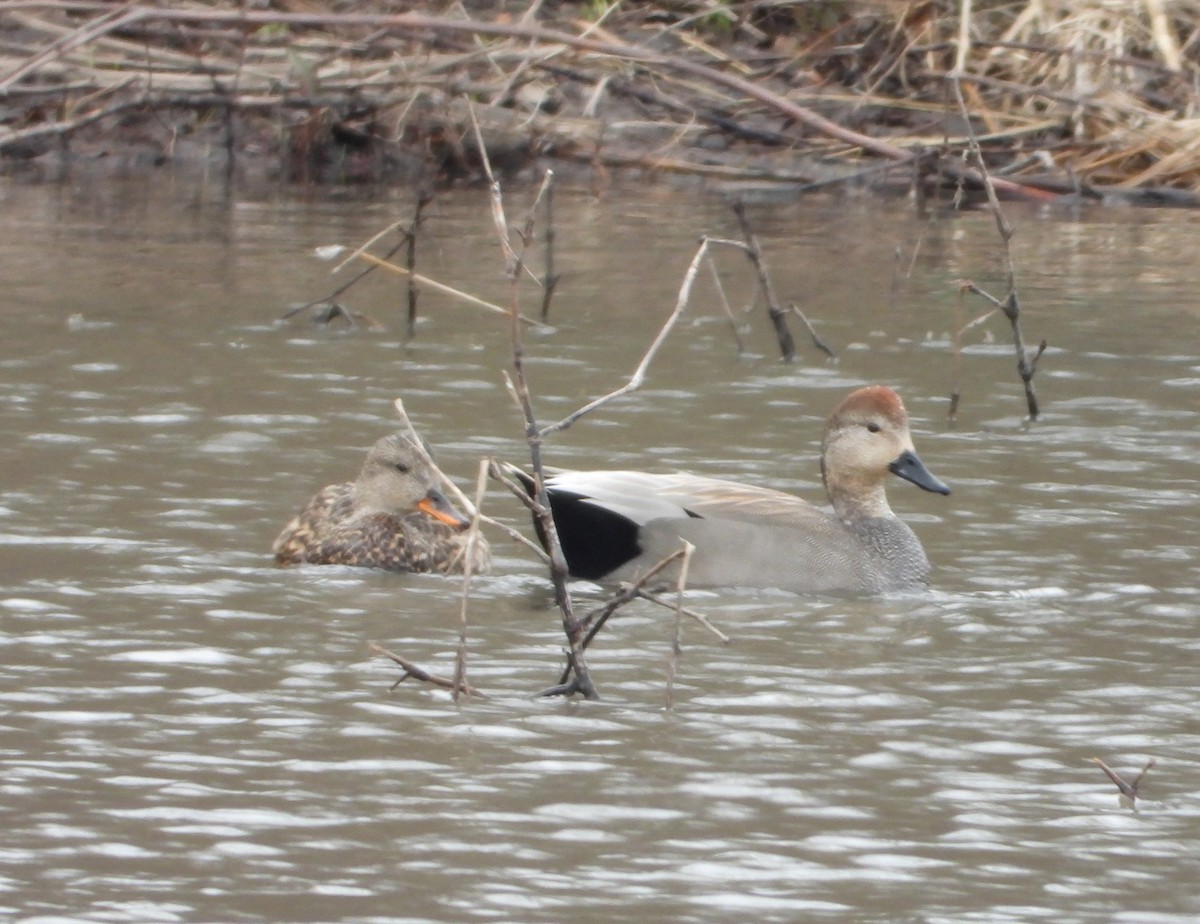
(1106, 89)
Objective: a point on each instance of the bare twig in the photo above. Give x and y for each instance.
(816, 339)
(1026, 360)
(639, 374)
(419, 446)
(365, 246)
(1128, 791)
(1010, 305)
(787, 346)
(419, 673)
(725, 306)
(550, 280)
(424, 197)
(340, 290)
(441, 287)
(581, 682)
(677, 638)
(468, 554)
(597, 618)
(688, 612)
(495, 470)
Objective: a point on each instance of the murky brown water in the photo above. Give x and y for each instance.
(190, 734)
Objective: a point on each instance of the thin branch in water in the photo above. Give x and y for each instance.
(597, 618)
(419, 445)
(550, 280)
(900, 280)
(639, 374)
(961, 328)
(367, 244)
(816, 339)
(787, 346)
(424, 197)
(468, 553)
(699, 617)
(496, 471)
(725, 306)
(419, 673)
(514, 261)
(729, 242)
(442, 287)
(677, 638)
(1027, 360)
(1010, 305)
(330, 299)
(1128, 791)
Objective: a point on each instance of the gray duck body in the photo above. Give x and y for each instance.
(614, 525)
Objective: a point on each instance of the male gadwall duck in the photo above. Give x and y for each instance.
(614, 525)
(393, 517)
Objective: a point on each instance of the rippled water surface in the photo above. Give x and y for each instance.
(191, 734)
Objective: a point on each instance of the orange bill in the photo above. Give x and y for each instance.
(435, 505)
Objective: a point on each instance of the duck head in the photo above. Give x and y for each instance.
(867, 439)
(396, 479)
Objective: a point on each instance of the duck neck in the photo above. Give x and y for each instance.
(858, 502)
(364, 502)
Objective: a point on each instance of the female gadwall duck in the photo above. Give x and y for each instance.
(614, 525)
(392, 517)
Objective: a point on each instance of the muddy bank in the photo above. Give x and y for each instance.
(1053, 99)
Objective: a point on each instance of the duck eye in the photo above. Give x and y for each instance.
(874, 427)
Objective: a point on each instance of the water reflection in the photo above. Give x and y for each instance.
(192, 734)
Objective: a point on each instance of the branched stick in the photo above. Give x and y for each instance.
(518, 490)
(581, 682)
(1010, 305)
(329, 299)
(687, 611)
(787, 346)
(585, 629)
(596, 619)
(469, 546)
(639, 374)
(1129, 791)
(419, 673)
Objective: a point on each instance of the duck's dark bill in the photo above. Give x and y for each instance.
(435, 505)
(910, 467)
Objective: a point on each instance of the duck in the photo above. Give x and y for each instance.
(393, 516)
(615, 525)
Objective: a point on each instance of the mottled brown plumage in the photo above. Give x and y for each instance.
(392, 517)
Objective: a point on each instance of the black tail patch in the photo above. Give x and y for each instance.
(595, 541)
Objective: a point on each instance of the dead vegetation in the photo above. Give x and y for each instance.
(1097, 98)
